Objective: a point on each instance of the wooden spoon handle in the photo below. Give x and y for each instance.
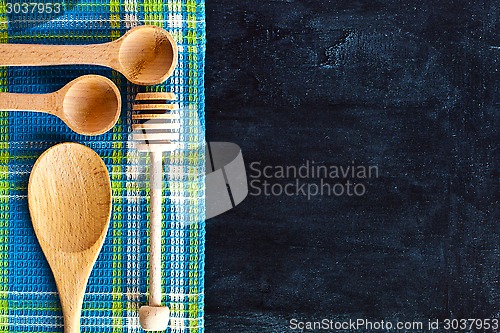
(48, 55)
(72, 320)
(156, 192)
(71, 297)
(29, 102)
(71, 286)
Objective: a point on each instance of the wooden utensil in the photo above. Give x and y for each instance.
(158, 132)
(69, 196)
(146, 55)
(89, 105)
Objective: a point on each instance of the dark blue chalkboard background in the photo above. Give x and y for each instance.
(409, 86)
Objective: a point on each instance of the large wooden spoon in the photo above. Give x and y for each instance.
(146, 55)
(89, 105)
(69, 196)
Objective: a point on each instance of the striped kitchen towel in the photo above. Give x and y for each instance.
(118, 285)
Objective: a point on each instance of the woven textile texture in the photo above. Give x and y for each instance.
(118, 285)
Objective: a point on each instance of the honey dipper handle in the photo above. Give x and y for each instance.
(156, 193)
(48, 55)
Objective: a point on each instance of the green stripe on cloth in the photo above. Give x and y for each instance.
(118, 181)
(4, 184)
(184, 300)
(153, 10)
(193, 157)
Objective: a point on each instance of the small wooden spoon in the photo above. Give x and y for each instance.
(89, 105)
(69, 196)
(146, 55)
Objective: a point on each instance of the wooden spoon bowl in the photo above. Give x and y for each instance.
(69, 197)
(147, 55)
(90, 104)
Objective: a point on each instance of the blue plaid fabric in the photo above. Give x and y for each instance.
(118, 285)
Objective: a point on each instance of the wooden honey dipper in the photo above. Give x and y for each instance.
(157, 132)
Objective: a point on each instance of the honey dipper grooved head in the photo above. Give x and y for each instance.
(158, 124)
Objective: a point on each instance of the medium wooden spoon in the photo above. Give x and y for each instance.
(146, 55)
(89, 105)
(69, 197)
